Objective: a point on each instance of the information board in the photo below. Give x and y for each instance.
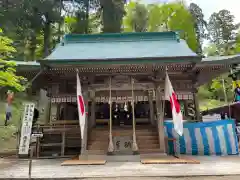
(26, 128)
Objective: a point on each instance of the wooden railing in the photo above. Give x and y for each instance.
(66, 129)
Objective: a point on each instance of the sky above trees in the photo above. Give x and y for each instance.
(210, 6)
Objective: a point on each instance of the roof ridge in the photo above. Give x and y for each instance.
(121, 37)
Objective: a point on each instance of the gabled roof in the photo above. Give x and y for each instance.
(124, 46)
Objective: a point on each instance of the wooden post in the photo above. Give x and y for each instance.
(30, 164)
(110, 145)
(134, 145)
(63, 142)
(93, 109)
(195, 97)
(48, 111)
(160, 103)
(151, 108)
(196, 104)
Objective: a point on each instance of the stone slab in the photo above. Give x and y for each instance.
(51, 168)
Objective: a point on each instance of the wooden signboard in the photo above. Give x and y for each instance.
(26, 128)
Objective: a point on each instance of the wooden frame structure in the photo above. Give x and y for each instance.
(126, 67)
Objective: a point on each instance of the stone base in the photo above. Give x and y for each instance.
(110, 153)
(135, 153)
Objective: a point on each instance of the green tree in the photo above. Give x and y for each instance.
(112, 15)
(178, 18)
(199, 24)
(237, 44)
(136, 19)
(162, 17)
(8, 77)
(222, 29)
(210, 50)
(28, 19)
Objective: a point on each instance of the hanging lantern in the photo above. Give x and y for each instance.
(125, 107)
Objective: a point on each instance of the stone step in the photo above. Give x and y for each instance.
(98, 138)
(148, 146)
(147, 141)
(147, 138)
(123, 158)
(148, 151)
(97, 152)
(93, 146)
(97, 148)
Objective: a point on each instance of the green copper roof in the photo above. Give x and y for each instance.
(233, 59)
(121, 46)
(29, 63)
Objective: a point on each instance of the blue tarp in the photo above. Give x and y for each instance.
(204, 138)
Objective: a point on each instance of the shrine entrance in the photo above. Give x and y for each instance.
(121, 114)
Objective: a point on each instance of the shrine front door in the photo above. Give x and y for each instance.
(121, 113)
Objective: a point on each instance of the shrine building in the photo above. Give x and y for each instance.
(122, 78)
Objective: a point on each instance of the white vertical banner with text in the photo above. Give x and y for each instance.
(26, 128)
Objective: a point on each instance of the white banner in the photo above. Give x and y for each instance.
(26, 128)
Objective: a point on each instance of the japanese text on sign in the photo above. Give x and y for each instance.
(26, 128)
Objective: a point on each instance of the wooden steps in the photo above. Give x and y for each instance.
(147, 140)
(98, 141)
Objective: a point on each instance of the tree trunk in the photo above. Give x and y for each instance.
(33, 46)
(46, 32)
(113, 12)
(87, 17)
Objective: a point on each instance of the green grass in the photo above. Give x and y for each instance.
(210, 104)
(8, 138)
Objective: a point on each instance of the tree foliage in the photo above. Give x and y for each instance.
(8, 77)
(136, 19)
(199, 24)
(36, 26)
(161, 17)
(222, 31)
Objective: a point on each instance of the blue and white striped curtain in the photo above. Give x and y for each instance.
(204, 138)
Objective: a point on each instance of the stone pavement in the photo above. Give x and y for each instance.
(51, 168)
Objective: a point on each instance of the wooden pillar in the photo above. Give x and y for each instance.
(134, 145)
(160, 120)
(196, 104)
(195, 96)
(93, 109)
(110, 144)
(65, 106)
(151, 107)
(185, 108)
(58, 111)
(48, 111)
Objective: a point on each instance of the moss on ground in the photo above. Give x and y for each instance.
(8, 135)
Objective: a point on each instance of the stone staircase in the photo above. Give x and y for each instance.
(98, 141)
(147, 139)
